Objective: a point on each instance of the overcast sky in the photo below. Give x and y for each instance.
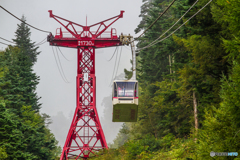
(58, 97)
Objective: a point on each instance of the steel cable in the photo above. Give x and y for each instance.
(114, 68)
(58, 66)
(62, 54)
(42, 42)
(113, 54)
(61, 66)
(7, 40)
(5, 44)
(23, 21)
(118, 63)
(156, 20)
(170, 27)
(154, 42)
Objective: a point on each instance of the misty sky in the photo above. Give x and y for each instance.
(59, 98)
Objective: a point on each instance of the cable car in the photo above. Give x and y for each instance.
(125, 100)
(125, 93)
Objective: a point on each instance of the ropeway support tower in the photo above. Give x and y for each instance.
(85, 135)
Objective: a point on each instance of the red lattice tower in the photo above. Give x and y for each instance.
(85, 134)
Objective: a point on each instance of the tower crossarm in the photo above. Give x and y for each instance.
(85, 31)
(102, 23)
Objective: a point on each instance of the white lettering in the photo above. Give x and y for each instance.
(86, 43)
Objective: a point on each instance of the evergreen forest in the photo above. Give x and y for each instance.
(189, 84)
(24, 132)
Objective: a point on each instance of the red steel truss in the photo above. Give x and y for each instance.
(85, 135)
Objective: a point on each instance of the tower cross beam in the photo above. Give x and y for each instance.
(85, 28)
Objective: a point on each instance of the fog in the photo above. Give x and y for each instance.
(59, 98)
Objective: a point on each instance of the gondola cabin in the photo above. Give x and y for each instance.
(125, 100)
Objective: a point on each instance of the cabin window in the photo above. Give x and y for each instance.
(136, 90)
(115, 90)
(125, 89)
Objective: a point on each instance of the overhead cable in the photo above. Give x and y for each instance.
(174, 30)
(7, 40)
(5, 44)
(126, 47)
(114, 68)
(42, 42)
(156, 20)
(113, 54)
(170, 27)
(62, 54)
(58, 66)
(24, 21)
(118, 63)
(61, 66)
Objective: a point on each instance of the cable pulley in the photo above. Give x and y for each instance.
(125, 39)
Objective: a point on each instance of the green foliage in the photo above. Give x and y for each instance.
(23, 131)
(18, 83)
(203, 73)
(26, 137)
(201, 58)
(221, 127)
(159, 105)
(134, 148)
(10, 90)
(3, 154)
(145, 148)
(11, 135)
(23, 42)
(180, 149)
(122, 136)
(175, 116)
(26, 58)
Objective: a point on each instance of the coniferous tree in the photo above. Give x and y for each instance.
(23, 41)
(10, 89)
(26, 59)
(159, 102)
(205, 51)
(23, 131)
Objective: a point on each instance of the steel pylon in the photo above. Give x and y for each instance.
(85, 136)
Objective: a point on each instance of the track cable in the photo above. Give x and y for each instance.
(24, 21)
(155, 41)
(42, 42)
(113, 54)
(118, 63)
(6, 44)
(7, 40)
(61, 66)
(58, 66)
(114, 68)
(156, 20)
(62, 54)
